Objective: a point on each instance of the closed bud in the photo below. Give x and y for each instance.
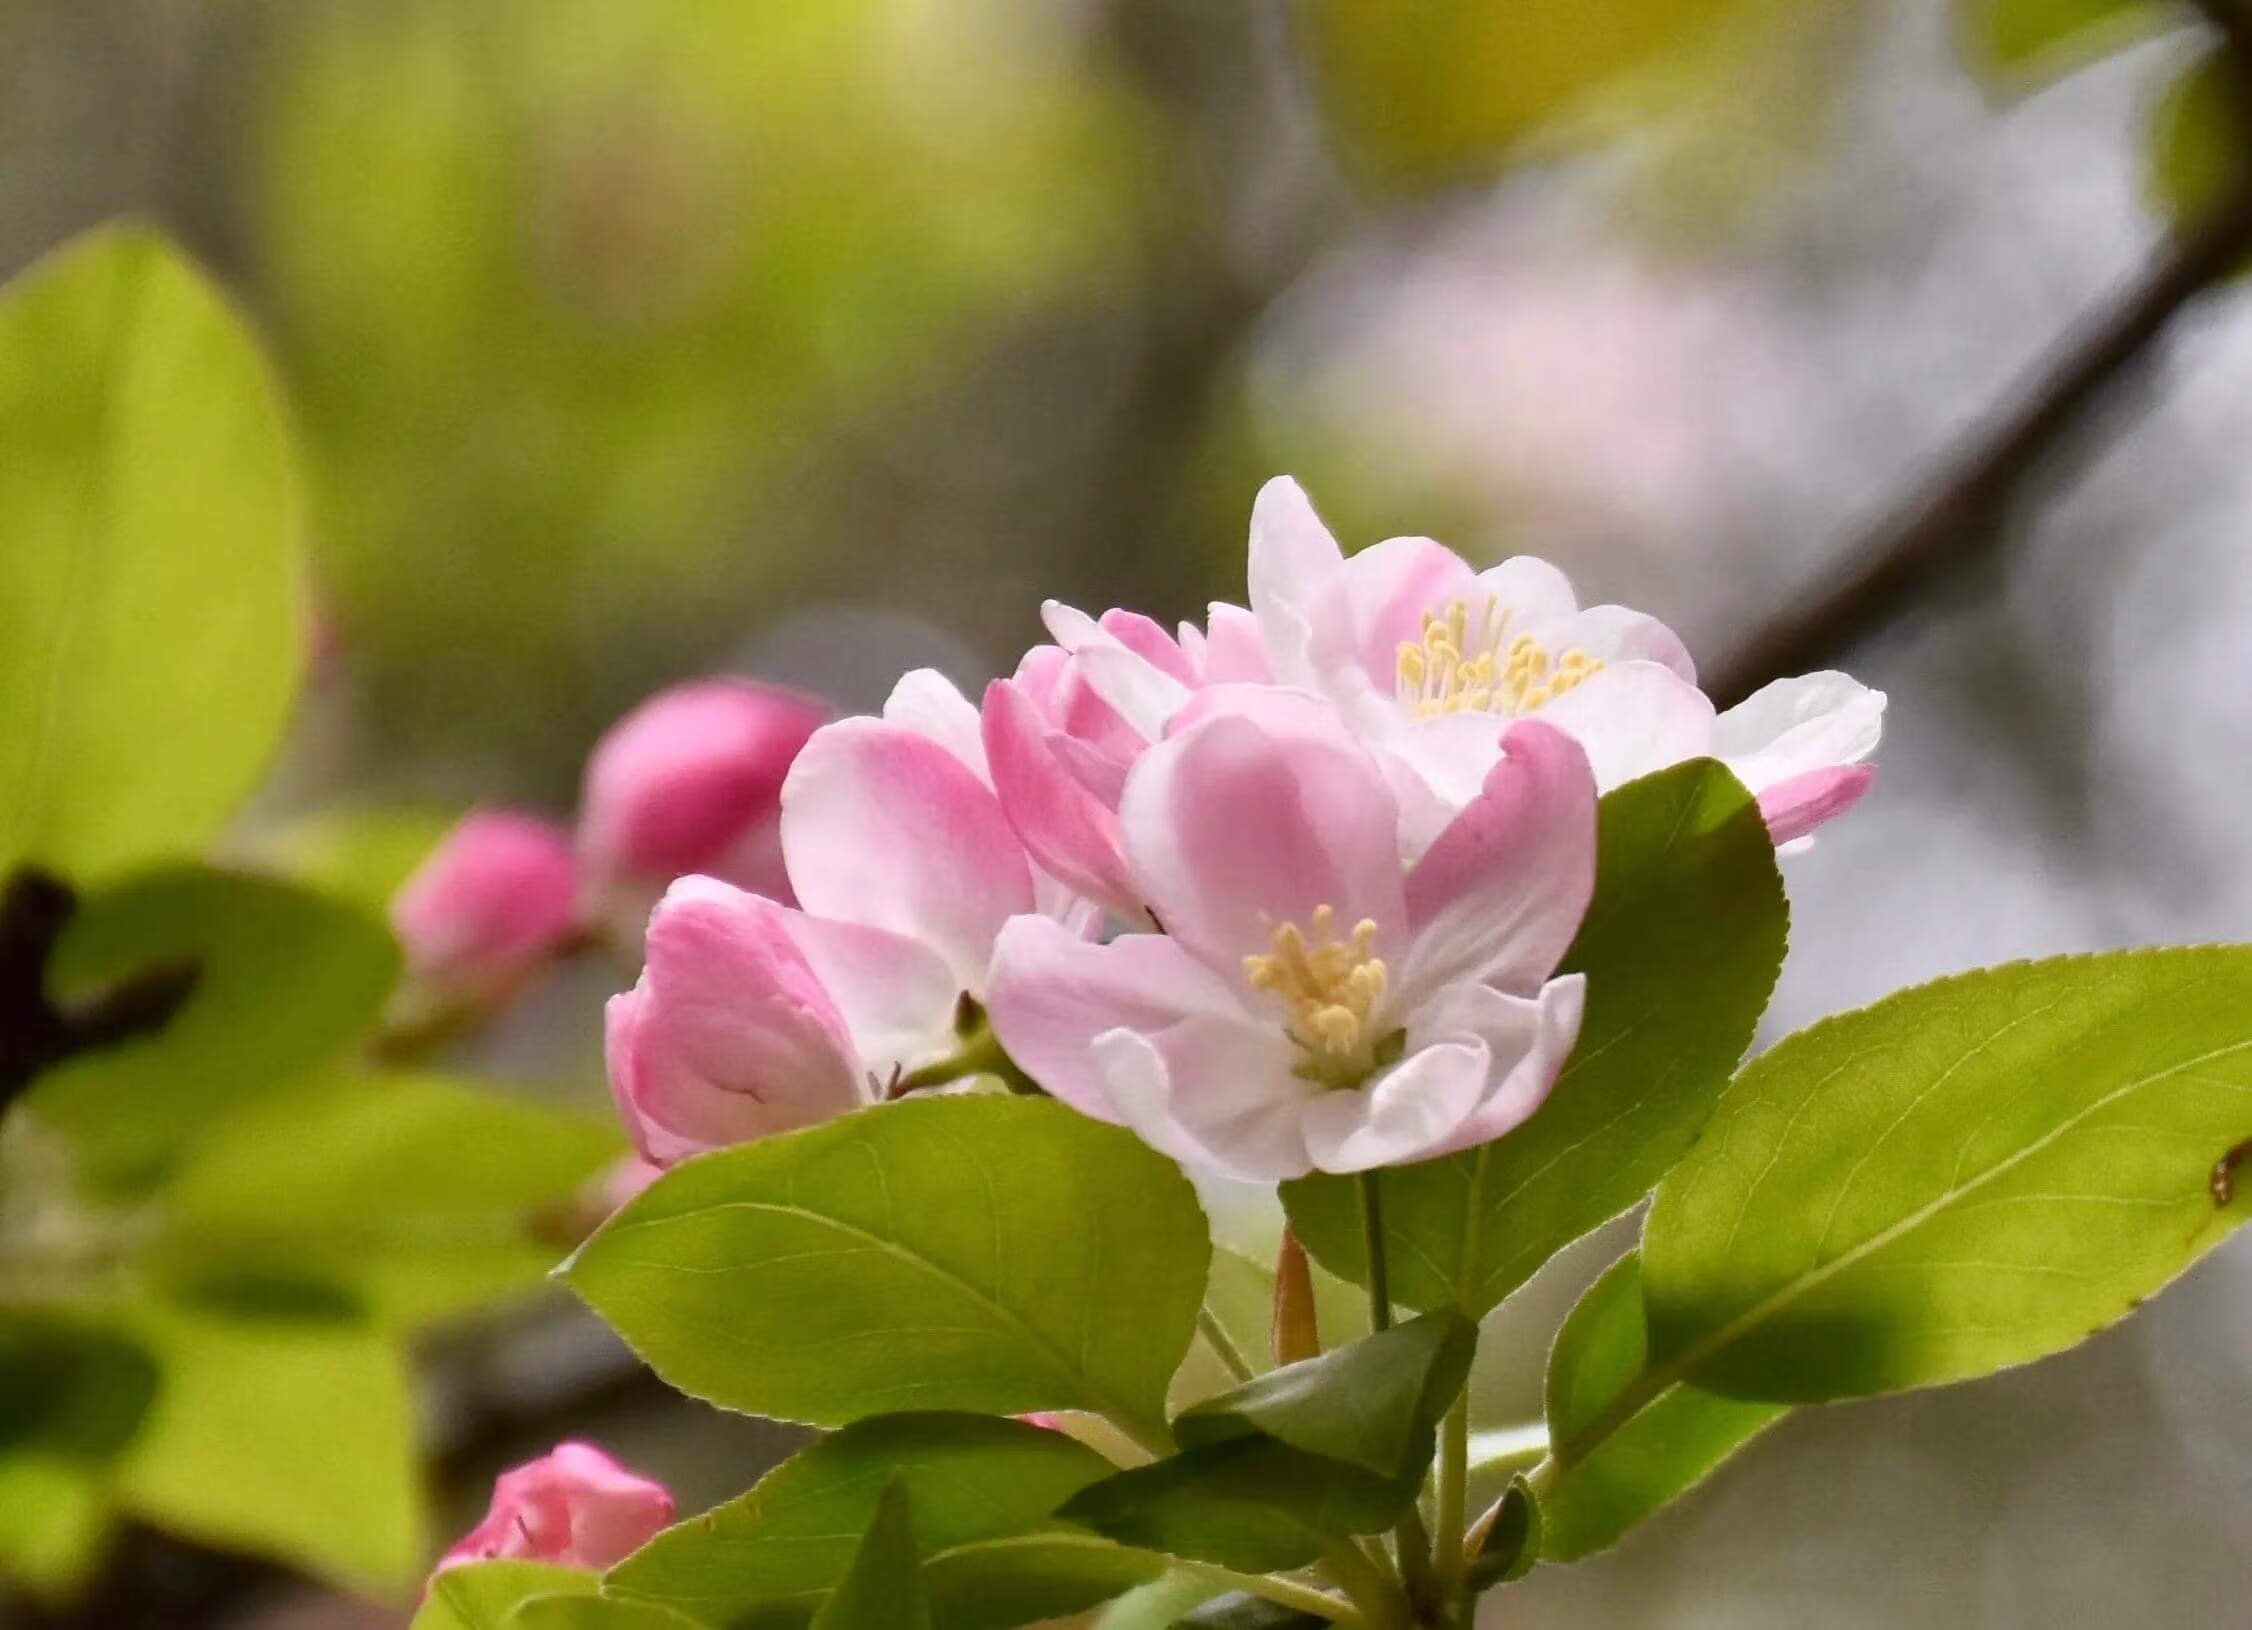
(493, 901)
(574, 1507)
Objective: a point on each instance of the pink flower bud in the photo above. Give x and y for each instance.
(691, 781)
(730, 1035)
(574, 1506)
(494, 900)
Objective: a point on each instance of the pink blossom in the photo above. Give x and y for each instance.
(1062, 733)
(1428, 661)
(691, 781)
(752, 1018)
(494, 900)
(1307, 1006)
(574, 1506)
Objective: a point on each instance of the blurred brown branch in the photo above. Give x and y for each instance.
(1965, 511)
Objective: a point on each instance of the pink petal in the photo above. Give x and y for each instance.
(1527, 1042)
(495, 899)
(1294, 565)
(926, 702)
(1387, 588)
(1793, 726)
(1531, 590)
(1063, 825)
(1616, 634)
(1053, 994)
(1404, 1115)
(575, 1507)
(897, 997)
(1233, 652)
(1212, 1092)
(1232, 828)
(1633, 718)
(1151, 643)
(1498, 897)
(1796, 807)
(729, 1035)
(885, 827)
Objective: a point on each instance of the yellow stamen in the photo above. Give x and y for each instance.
(1461, 665)
(1331, 989)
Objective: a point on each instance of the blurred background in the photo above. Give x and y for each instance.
(818, 339)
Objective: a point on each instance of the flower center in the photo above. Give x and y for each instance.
(1460, 665)
(1331, 989)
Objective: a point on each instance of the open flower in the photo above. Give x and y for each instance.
(575, 1507)
(1062, 732)
(1307, 1005)
(1429, 661)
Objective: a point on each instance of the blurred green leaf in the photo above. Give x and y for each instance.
(420, 1197)
(1422, 91)
(69, 1389)
(883, 1588)
(1681, 947)
(1249, 1503)
(359, 856)
(969, 1252)
(1241, 1296)
(2197, 159)
(983, 1492)
(54, 1522)
(1965, 1176)
(2032, 41)
(287, 982)
(1373, 1403)
(1156, 1605)
(482, 1595)
(1637, 1465)
(289, 1438)
(149, 573)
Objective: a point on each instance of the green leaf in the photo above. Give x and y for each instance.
(1157, 1605)
(1374, 1403)
(883, 1588)
(54, 1522)
(150, 579)
(287, 981)
(419, 1197)
(985, 1253)
(1249, 1503)
(2031, 41)
(1512, 1543)
(359, 856)
(482, 1595)
(69, 1389)
(1421, 91)
(2197, 158)
(290, 1438)
(1966, 1176)
(1681, 946)
(1238, 1610)
(595, 1613)
(983, 1490)
(1608, 1473)
(1241, 1295)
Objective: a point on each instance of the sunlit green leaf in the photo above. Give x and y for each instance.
(988, 1253)
(482, 1595)
(983, 1492)
(1424, 90)
(150, 583)
(1612, 1473)
(595, 1613)
(1680, 947)
(54, 1521)
(287, 981)
(420, 1197)
(1968, 1175)
(292, 1438)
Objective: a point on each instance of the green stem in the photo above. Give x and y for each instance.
(1223, 1346)
(1454, 1483)
(1372, 1235)
(1369, 1585)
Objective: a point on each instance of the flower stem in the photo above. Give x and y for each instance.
(1454, 1482)
(1223, 1347)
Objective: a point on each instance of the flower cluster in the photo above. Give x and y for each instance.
(1284, 893)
